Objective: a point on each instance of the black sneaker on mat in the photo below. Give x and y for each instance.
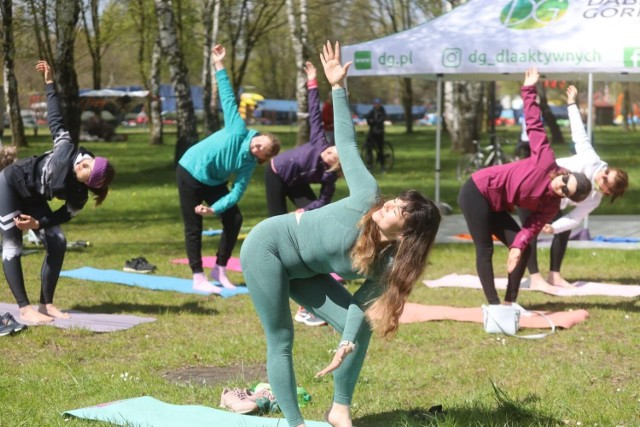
(139, 265)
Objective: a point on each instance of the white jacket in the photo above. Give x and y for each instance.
(587, 161)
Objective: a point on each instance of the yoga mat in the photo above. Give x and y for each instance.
(149, 412)
(148, 281)
(96, 322)
(427, 313)
(232, 265)
(579, 289)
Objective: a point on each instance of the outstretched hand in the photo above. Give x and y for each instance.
(218, 52)
(531, 77)
(341, 353)
(572, 94)
(43, 67)
(203, 210)
(310, 69)
(330, 58)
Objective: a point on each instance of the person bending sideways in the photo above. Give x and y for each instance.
(535, 183)
(360, 236)
(203, 173)
(292, 172)
(67, 172)
(606, 181)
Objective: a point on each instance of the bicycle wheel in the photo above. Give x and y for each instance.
(387, 155)
(366, 152)
(468, 164)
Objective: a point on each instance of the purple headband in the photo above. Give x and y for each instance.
(98, 172)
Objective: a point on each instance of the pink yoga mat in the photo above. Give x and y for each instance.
(580, 289)
(427, 313)
(232, 265)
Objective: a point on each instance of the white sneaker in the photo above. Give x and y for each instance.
(301, 315)
(312, 320)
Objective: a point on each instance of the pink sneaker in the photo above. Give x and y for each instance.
(237, 401)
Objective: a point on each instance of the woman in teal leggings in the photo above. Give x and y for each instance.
(360, 236)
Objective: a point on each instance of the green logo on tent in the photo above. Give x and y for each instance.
(632, 57)
(363, 60)
(530, 14)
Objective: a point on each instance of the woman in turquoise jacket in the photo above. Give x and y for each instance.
(360, 236)
(203, 173)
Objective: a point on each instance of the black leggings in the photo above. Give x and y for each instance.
(192, 193)
(278, 192)
(482, 225)
(558, 246)
(55, 243)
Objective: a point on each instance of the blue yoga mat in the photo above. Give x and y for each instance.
(149, 281)
(149, 412)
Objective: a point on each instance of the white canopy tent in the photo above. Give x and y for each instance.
(500, 39)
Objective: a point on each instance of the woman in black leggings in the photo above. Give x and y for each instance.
(536, 183)
(68, 173)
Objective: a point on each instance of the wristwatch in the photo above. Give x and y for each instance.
(345, 343)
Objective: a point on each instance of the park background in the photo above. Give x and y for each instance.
(584, 376)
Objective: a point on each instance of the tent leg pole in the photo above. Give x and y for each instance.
(438, 135)
(589, 125)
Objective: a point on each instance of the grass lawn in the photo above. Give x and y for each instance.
(586, 376)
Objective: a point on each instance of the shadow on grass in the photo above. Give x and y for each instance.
(629, 305)
(508, 411)
(189, 307)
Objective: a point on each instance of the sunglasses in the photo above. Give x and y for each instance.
(565, 187)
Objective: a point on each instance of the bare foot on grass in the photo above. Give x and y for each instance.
(53, 311)
(29, 314)
(339, 416)
(556, 280)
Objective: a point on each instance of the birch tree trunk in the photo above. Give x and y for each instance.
(10, 82)
(185, 115)
(211, 15)
(298, 29)
(67, 14)
(155, 105)
(94, 41)
(463, 113)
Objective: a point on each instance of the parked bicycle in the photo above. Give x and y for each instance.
(491, 155)
(372, 158)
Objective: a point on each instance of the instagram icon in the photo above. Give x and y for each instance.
(452, 57)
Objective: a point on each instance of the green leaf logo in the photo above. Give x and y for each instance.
(362, 60)
(530, 14)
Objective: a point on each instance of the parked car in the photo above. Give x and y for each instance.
(507, 118)
(29, 120)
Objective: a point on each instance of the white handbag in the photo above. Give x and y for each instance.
(505, 319)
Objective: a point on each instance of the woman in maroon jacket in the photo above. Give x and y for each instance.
(536, 183)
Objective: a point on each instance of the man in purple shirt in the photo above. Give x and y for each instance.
(536, 183)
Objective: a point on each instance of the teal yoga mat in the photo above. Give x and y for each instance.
(148, 281)
(149, 412)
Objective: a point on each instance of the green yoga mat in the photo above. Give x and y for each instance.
(149, 412)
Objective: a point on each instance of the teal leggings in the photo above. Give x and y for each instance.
(274, 272)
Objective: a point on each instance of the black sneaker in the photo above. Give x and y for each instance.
(139, 265)
(9, 325)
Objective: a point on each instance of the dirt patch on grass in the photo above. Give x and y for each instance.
(218, 375)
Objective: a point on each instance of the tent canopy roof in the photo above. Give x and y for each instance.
(500, 39)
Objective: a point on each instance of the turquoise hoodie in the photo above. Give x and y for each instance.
(213, 160)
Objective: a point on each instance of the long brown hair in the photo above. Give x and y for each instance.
(409, 252)
(101, 193)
